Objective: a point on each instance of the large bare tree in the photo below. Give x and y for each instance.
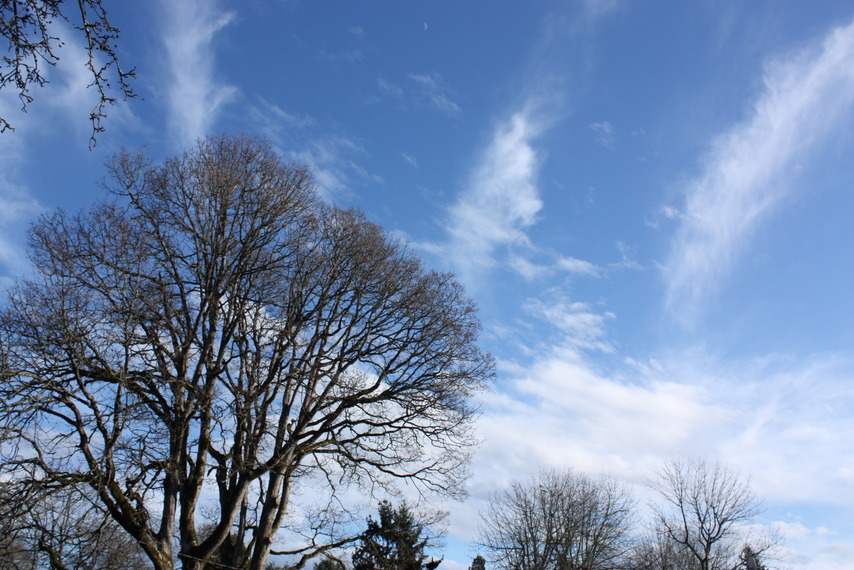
(559, 520)
(213, 328)
(702, 511)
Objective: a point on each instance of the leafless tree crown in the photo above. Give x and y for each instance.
(702, 508)
(559, 520)
(214, 325)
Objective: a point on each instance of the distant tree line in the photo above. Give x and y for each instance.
(564, 520)
(568, 521)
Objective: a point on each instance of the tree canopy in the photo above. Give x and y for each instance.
(559, 519)
(701, 514)
(214, 325)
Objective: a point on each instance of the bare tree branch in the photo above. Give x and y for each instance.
(28, 26)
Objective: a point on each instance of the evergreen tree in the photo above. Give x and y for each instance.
(329, 564)
(751, 559)
(394, 542)
(479, 563)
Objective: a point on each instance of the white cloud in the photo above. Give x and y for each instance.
(579, 325)
(818, 548)
(271, 112)
(596, 9)
(411, 160)
(329, 151)
(745, 174)
(432, 87)
(791, 415)
(333, 170)
(561, 411)
(63, 104)
(578, 266)
(17, 210)
(388, 88)
(574, 266)
(790, 530)
(195, 94)
(774, 421)
(603, 134)
(501, 200)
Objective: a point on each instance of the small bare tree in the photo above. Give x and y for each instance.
(216, 326)
(702, 511)
(559, 520)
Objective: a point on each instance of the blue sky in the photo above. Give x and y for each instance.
(650, 202)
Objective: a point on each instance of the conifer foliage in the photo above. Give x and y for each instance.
(395, 542)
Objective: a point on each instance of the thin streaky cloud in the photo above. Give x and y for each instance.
(529, 270)
(388, 88)
(746, 172)
(331, 153)
(595, 9)
(432, 86)
(267, 112)
(578, 266)
(195, 94)
(604, 134)
(411, 160)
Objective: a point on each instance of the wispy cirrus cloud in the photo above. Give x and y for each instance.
(604, 134)
(595, 9)
(17, 209)
(195, 94)
(563, 264)
(388, 88)
(432, 88)
(332, 153)
(745, 175)
(410, 160)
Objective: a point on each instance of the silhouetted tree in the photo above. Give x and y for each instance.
(559, 519)
(703, 506)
